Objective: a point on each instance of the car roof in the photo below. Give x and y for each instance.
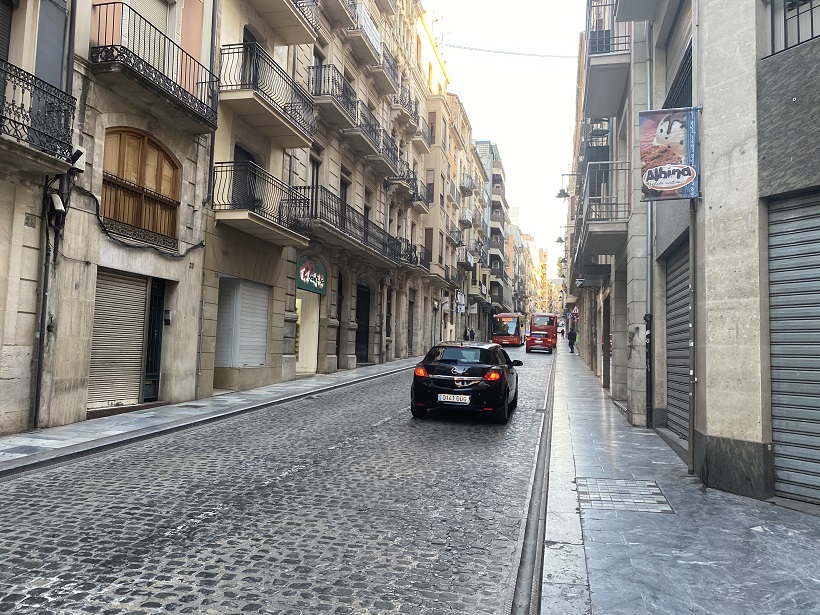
(457, 344)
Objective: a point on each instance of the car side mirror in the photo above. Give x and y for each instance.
(517, 363)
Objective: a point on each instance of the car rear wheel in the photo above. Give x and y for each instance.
(514, 402)
(502, 413)
(419, 413)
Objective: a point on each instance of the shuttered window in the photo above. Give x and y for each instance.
(117, 340)
(5, 29)
(141, 183)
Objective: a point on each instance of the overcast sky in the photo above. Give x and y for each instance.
(525, 104)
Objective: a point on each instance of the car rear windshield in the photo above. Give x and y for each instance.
(456, 354)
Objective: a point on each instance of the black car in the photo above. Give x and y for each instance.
(466, 375)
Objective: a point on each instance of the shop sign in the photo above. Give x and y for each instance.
(669, 154)
(311, 275)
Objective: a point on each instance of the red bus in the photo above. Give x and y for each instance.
(508, 329)
(543, 333)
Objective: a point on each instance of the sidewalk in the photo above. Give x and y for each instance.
(25, 451)
(629, 531)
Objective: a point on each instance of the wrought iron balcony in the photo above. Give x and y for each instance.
(337, 223)
(341, 13)
(466, 185)
(405, 181)
(295, 22)
(249, 199)
(406, 106)
(453, 232)
(365, 136)
(456, 279)
(387, 160)
(387, 6)
(266, 97)
(364, 37)
(608, 59)
(452, 192)
(423, 138)
(465, 258)
(465, 216)
(425, 257)
(409, 252)
(333, 95)
(420, 193)
(35, 113)
(606, 208)
(133, 55)
(386, 73)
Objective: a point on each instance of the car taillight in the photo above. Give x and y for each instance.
(421, 372)
(493, 375)
(529, 338)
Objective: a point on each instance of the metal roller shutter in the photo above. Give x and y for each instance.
(794, 313)
(253, 324)
(117, 340)
(677, 342)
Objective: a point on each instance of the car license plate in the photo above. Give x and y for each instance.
(454, 399)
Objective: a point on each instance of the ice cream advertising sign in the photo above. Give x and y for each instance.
(669, 154)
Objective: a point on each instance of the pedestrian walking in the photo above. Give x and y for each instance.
(571, 337)
(562, 333)
(466, 335)
(472, 334)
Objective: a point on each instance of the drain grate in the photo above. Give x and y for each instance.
(620, 494)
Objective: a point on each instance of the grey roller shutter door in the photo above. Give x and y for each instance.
(677, 343)
(253, 324)
(117, 340)
(794, 313)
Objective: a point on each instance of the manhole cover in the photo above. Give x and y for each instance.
(619, 494)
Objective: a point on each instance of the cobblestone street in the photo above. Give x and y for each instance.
(337, 503)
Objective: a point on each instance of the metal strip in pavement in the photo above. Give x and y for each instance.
(527, 595)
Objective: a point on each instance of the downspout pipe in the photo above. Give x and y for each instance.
(650, 210)
(34, 417)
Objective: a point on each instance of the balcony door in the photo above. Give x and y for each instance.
(243, 191)
(250, 60)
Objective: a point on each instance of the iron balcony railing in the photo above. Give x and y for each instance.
(425, 132)
(310, 11)
(326, 207)
(420, 194)
(391, 67)
(425, 257)
(368, 123)
(327, 80)
(456, 278)
(467, 183)
(604, 34)
(451, 191)
(135, 212)
(35, 112)
(499, 217)
(463, 255)
(244, 185)
(388, 148)
(606, 191)
(409, 252)
(465, 215)
(120, 35)
(365, 23)
(794, 22)
(405, 100)
(247, 66)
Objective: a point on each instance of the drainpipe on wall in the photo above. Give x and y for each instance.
(206, 202)
(650, 206)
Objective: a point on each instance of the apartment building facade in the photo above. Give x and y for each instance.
(731, 280)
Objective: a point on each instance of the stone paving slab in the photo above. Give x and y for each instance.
(23, 451)
(713, 553)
